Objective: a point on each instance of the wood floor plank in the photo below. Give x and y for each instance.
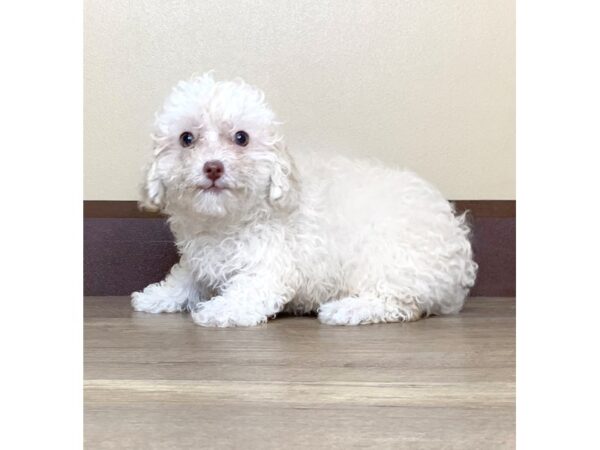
(159, 381)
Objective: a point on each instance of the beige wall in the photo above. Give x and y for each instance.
(428, 85)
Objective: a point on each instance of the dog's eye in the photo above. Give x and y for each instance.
(241, 138)
(186, 139)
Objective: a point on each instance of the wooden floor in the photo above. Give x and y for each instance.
(159, 381)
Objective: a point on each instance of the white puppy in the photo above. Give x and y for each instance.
(260, 233)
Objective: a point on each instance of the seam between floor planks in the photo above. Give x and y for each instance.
(380, 393)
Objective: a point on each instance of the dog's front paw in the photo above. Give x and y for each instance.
(347, 311)
(151, 301)
(220, 312)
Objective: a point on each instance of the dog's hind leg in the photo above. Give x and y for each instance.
(365, 309)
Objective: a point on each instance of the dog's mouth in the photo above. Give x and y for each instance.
(212, 189)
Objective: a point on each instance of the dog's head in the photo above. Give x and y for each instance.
(218, 153)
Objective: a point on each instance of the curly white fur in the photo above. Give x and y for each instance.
(353, 240)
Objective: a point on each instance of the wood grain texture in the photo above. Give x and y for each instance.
(159, 381)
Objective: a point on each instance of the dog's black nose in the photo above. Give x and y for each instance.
(213, 170)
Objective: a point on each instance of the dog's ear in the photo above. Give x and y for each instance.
(284, 184)
(153, 189)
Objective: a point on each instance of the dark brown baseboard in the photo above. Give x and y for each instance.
(113, 209)
(126, 249)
